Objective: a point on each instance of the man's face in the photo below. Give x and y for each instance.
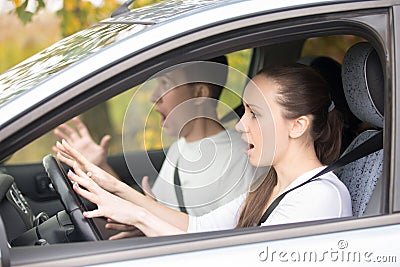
(173, 99)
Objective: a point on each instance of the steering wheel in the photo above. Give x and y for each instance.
(70, 200)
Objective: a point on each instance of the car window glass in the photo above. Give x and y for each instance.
(108, 117)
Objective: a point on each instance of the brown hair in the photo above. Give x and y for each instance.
(217, 74)
(302, 91)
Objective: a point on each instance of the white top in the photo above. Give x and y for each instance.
(213, 171)
(324, 198)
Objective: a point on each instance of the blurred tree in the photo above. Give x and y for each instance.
(75, 14)
(23, 13)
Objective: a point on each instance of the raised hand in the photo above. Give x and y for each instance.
(81, 140)
(70, 156)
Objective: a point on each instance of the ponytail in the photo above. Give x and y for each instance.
(327, 143)
(252, 211)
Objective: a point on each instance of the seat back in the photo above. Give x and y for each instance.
(331, 71)
(363, 84)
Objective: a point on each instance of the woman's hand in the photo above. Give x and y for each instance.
(108, 204)
(117, 209)
(70, 156)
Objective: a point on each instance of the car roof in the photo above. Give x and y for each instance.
(170, 9)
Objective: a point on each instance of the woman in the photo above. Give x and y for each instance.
(287, 108)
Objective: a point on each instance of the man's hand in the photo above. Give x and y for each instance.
(82, 141)
(146, 187)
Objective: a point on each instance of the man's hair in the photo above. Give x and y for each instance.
(213, 75)
(216, 89)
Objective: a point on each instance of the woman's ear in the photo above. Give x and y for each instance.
(202, 93)
(299, 126)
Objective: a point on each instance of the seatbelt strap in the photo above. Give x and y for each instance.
(369, 146)
(178, 190)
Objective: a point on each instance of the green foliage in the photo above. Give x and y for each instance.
(24, 15)
(75, 14)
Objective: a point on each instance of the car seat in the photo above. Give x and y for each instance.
(363, 84)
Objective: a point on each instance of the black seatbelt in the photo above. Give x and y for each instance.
(178, 190)
(369, 146)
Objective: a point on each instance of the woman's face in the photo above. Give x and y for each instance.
(263, 126)
(173, 100)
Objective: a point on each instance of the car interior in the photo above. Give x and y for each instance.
(30, 202)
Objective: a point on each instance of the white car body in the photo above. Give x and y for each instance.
(155, 40)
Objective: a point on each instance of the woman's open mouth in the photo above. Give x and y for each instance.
(163, 117)
(249, 149)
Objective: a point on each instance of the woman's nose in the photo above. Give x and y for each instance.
(241, 126)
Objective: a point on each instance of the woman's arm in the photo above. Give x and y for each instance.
(126, 212)
(106, 181)
(174, 217)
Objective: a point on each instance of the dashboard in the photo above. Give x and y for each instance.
(23, 227)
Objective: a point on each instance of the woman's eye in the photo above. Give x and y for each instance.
(253, 114)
